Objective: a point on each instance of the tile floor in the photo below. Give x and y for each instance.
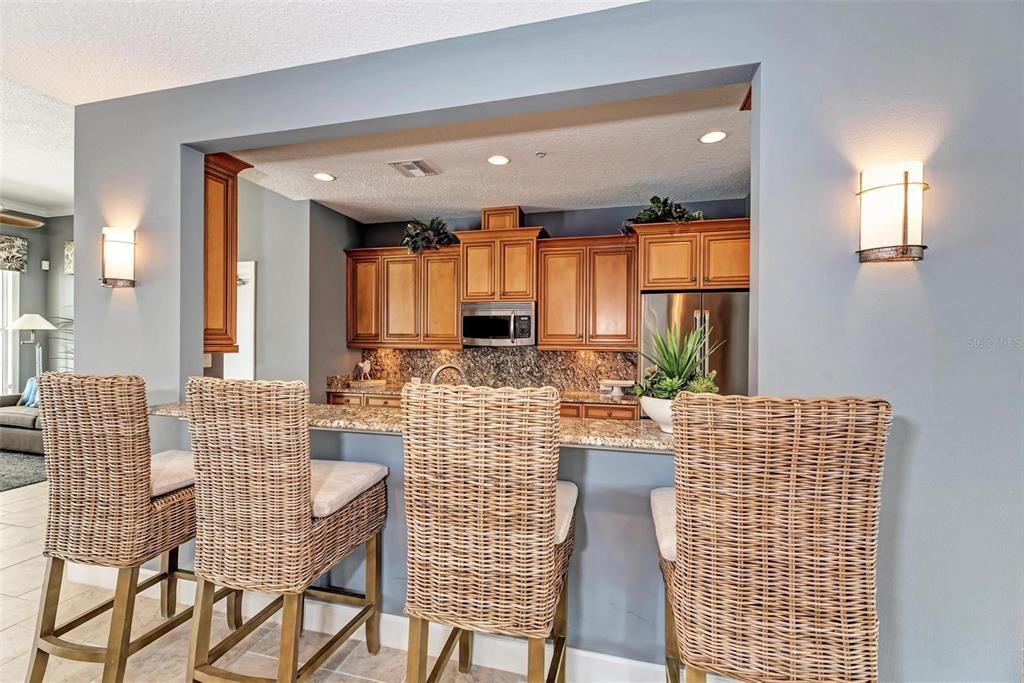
(22, 524)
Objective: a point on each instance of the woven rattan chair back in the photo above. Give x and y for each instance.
(777, 505)
(250, 446)
(96, 440)
(480, 473)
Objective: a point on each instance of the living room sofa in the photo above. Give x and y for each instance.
(20, 426)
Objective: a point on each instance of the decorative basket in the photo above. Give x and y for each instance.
(365, 384)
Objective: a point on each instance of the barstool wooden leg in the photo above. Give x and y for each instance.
(302, 614)
(120, 625)
(373, 593)
(695, 675)
(169, 586)
(535, 661)
(416, 664)
(48, 603)
(465, 651)
(234, 608)
(561, 626)
(671, 644)
(288, 658)
(202, 618)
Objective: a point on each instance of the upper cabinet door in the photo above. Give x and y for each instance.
(516, 269)
(364, 300)
(479, 271)
(220, 253)
(725, 257)
(561, 308)
(401, 305)
(441, 321)
(612, 297)
(669, 261)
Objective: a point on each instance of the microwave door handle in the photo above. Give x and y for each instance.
(512, 328)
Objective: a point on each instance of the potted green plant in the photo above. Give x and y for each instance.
(662, 210)
(677, 366)
(433, 234)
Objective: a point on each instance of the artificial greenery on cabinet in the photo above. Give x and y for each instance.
(433, 234)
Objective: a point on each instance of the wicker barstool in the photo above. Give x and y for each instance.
(271, 520)
(111, 503)
(768, 538)
(490, 529)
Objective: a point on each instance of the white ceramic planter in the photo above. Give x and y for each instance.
(659, 410)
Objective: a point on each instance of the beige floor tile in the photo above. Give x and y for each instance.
(20, 553)
(31, 517)
(14, 610)
(38, 502)
(68, 590)
(23, 577)
(16, 640)
(387, 666)
(24, 493)
(14, 670)
(13, 536)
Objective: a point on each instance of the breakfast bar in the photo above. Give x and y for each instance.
(615, 586)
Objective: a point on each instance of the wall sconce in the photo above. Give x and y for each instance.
(891, 209)
(117, 247)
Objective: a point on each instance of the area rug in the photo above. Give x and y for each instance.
(20, 469)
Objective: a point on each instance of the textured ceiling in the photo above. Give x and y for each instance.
(80, 51)
(37, 151)
(606, 155)
(83, 51)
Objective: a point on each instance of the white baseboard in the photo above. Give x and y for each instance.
(496, 652)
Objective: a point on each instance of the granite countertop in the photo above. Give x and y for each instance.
(622, 435)
(569, 396)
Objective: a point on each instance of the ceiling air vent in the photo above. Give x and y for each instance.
(417, 168)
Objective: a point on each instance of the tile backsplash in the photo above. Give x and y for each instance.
(506, 366)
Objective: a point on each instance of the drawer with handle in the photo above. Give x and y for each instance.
(602, 411)
(570, 409)
(335, 398)
(383, 401)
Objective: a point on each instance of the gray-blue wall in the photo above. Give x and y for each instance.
(573, 223)
(839, 87)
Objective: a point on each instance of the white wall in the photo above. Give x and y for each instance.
(841, 86)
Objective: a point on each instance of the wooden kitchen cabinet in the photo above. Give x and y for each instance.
(501, 218)
(600, 411)
(499, 265)
(562, 310)
(479, 270)
(612, 295)
(343, 398)
(401, 306)
(588, 294)
(711, 254)
(220, 253)
(363, 304)
(402, 300)
(726, 259)
(440, 313)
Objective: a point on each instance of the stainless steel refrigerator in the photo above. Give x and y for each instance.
(727, 314)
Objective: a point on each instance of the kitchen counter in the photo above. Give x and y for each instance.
(568, 396)
(618, 435)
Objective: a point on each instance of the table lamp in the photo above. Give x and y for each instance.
(33, 322)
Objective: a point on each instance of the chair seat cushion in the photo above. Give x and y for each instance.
(20, 416)
(663, 508)
(337, 483)
(565, 506)
(170, 471)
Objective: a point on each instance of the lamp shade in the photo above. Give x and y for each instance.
(31, 321)
(118, 254)
(891, 212)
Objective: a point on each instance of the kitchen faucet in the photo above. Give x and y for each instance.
(435, 373)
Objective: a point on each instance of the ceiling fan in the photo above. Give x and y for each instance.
(18, 221)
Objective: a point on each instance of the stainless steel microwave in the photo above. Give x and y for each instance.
(499, 324)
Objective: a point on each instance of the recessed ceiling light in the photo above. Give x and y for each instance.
(326, 177)
(713, 136)
(497, 160)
